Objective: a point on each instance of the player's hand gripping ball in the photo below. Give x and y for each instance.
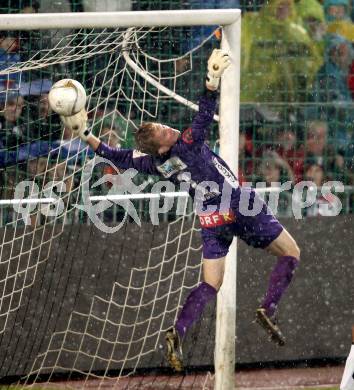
(67, 97)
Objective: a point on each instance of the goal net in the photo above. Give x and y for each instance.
(95, 262)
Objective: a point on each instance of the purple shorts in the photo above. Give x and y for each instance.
(258, 231)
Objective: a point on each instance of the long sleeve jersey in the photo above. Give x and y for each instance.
(190, 159)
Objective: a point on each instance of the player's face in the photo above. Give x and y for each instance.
(166, 136)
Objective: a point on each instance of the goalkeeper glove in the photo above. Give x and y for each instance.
(77, 124)
(217, 63)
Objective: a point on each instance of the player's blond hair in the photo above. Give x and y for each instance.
(145, 140)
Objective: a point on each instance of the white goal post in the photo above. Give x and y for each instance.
(230, 20)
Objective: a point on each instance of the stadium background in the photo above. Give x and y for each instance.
(296, 120)
(296, 123)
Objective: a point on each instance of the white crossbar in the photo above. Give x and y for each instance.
(119, 19)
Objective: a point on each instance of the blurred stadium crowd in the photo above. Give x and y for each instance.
(297, 90)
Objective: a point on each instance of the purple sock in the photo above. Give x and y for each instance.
(194, 306)
(280, 279)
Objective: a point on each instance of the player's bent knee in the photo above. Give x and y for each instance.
(218, 285)
(294, 251)
(294, 248)
(284, 245)
(213, 272)
(291, 248)
(298, 251)
(214, 283)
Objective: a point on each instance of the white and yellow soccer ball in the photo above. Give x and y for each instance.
(67, 97)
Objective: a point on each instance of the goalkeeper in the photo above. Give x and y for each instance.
(186, 157)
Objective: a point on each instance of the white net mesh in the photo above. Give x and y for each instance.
(119, 332)
(117, 328)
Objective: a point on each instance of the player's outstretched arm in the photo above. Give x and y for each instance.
(218, 61)
(122, 158)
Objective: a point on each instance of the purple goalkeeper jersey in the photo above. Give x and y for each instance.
(190, 160)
